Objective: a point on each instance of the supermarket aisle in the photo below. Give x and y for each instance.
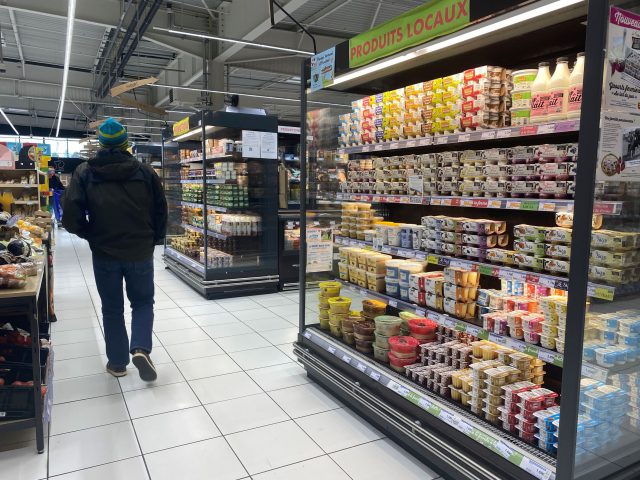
(230, 401)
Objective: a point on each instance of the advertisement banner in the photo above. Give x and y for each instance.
(323, 68)
(622, 86)
(619, 146)
(436, 18)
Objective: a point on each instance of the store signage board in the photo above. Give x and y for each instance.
(323, 69)
(181, 127)
(288, 130)
(417, 26)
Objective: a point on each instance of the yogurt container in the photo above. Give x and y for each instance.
(520, 116)
(521, 99)
(523, 79)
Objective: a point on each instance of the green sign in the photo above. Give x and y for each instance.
(434, 19)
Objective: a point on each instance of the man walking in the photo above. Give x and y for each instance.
(117, 204)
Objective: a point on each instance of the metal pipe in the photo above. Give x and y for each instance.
(14, 25)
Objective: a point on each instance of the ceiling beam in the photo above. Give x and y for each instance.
(325, 12)
(16, 34)
(103, 13)
(246, 12)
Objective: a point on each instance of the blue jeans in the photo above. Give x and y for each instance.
(138, 277)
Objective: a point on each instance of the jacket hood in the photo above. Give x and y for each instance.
(114, 164)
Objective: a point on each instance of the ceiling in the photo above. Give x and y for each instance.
(33, 36)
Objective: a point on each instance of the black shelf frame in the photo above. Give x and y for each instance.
(348, 384)
(235, 280)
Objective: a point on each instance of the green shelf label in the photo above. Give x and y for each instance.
(483, 335)
(485, 270)
(531, 350)
(461, 327)
(529, 205)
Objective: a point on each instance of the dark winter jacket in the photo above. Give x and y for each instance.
(55, 183)
(118, 205)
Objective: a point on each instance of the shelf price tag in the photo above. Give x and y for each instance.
(377, 148)
(513, 205)
(535, 469)
(410, 144)
(503, 133)
(331, 350)
(362, 367)
(561, 284)
(386, 249)
(442, 140)
(424, 141)
(375, 375)
(528, 130)
(485, 270)
(393, 303)
(394, 145)
(366, 148)
(548, 128)
(531, 350)
(603, 293)
(346, 358)
(495, 204)
(490, 135)
(307, 334)
(421, 255)
(421, 312)
(465, 137)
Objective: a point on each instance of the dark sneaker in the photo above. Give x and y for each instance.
(116, 371)
(143, 363)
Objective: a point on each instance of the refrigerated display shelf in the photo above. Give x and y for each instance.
(536, 351)
(214, 181)
(185, 260)
(564, 126)
(217, 235)
(199, 205)
(602, 292)
(533, 205)
(208, 157)
(527, 457)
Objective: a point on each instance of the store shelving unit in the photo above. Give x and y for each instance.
(436, 429)
(222, 205)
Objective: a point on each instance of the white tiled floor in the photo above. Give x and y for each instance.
(230, 402)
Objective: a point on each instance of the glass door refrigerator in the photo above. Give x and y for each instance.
(221, 186)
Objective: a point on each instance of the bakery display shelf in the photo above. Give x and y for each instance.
(536, 351)
(564, 126)
(200, 205)
(602, 292)
(534, 205)
(185, 260)
(18, 185)
(217, 235)
(530, 459)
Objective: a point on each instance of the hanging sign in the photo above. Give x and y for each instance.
(323, 68)
(429, 21)
(181, 127)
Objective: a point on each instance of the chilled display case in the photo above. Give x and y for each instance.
(478, 287)
(221, 185)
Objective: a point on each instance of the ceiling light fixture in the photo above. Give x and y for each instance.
(250, 95)
(9, 121)
(481, 29)
(231, 40)
(142, 119)
(71, 13)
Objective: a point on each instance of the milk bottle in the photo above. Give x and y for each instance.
(575, 88)
(540, 94)
(559, 91)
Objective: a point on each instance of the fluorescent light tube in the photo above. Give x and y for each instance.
(477, 31)
(71, 14)
(9, 121)
(231, 40)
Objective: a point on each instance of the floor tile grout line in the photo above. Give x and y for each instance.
(93, 466)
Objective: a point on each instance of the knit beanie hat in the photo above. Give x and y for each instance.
(112, 134)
